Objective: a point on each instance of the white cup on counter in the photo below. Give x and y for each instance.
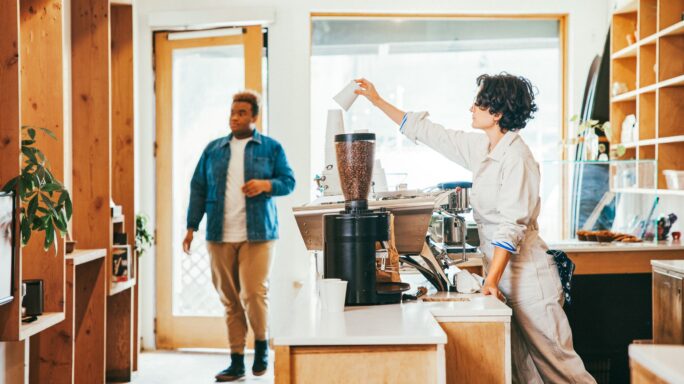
(332, 293)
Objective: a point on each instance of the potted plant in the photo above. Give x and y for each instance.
(45, 203)
(586, 135)
(143, 237)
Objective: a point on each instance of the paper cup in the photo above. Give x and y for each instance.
(334, 126)
(333, 294)
(318, 289)
(346, 97)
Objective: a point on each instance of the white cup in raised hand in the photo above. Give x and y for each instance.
(346, 97)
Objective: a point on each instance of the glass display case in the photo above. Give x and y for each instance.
(598, 200)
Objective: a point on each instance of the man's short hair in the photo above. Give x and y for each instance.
(250, 97)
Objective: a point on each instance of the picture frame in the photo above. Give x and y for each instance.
(8, 241)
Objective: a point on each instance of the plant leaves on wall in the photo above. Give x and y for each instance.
(45, 203)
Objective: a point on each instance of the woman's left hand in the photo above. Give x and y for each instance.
(491, 289)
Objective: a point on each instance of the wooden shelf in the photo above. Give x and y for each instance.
(672, 30)
(632, 95)
(82, 256)
(671, 139)
(627, 96)
(673, 82)
(630, 51)
(120, 287)
(45, 321)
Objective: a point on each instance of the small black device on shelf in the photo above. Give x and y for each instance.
(33, 300)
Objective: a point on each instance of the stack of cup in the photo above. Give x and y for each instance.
(332, 293)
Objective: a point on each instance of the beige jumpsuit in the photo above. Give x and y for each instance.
(505, 200)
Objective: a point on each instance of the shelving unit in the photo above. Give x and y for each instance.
(647, 46)
(80, 338)
(102, 56)
(31, 54)
(69, 342)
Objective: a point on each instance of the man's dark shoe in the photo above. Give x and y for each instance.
(260, 357)
(235, 371)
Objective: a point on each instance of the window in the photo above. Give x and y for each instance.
(431, 64)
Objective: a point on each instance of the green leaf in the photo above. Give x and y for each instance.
(40, 154)
(32, 206)
(50, 204)
(11, 185)
(574, 118)
(27, 142)
(25, 231)
(51, 187)
(61, 225)
(26, 182)
(31, 133)
(48, 132)
(49, 237)
(620, 150)
(67, 206)
(30, 153)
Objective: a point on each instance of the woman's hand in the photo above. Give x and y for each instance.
(492, 289)
(368, 90)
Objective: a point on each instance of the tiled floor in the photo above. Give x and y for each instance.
(173, 367)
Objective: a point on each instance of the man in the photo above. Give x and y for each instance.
(234, 183)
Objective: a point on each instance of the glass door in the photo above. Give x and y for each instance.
(195, 80)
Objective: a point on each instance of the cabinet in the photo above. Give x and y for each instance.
(647, 44)
(668, 318)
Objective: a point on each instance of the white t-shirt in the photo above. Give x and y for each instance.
(234, 205)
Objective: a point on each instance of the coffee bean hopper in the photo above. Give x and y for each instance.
(350, 237)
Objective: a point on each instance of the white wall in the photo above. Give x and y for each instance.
(289, 42)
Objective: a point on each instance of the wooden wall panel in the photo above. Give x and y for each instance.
(58, 342)
(42, 95)
(123, 172)
(91, 124)
(90, 322)
(119, 336)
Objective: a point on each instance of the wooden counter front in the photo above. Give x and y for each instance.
(620, 262)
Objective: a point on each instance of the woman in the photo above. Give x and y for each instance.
(505, 199)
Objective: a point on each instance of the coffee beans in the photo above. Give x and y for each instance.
(355, 165)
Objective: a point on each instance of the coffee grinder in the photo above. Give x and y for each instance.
(351, 236)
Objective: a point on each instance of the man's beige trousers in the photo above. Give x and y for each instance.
(240, 274)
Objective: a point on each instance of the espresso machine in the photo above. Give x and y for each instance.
(448, 230)
(353, 237)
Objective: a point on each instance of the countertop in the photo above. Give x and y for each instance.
(666, 361)
(670, 265)
(576, 246)
(390, 324)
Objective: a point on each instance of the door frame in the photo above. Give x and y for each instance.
(186, 331)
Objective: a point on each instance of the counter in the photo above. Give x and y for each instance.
(669, 265)
(592, 258)
(576, 246)
(441, 340)
(656, 363)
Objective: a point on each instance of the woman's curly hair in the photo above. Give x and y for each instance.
(511, 96)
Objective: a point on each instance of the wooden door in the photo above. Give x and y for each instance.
(195, 77)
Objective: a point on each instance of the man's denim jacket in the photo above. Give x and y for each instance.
(264, 159)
